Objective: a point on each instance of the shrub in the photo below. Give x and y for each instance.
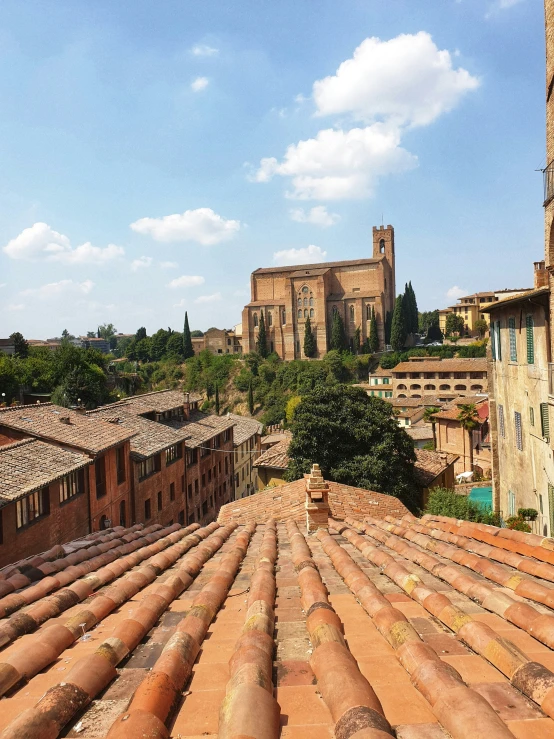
(445, 502)
(527, 513)
(517, 523)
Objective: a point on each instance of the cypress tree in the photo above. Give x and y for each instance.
(338, 337)
(367, 347)
(407, 310)
(188, 351)
(217, 398)
(373, 335)
(310, 347)
(413, 310)
(250, 398)
(357, 343)
(388, 326)
(398, 327)
(261, 343)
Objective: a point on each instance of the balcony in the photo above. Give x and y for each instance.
(548, 182)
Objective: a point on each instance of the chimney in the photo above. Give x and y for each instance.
(66, 420)
(186, 406)
(317, 500)
(540, 275)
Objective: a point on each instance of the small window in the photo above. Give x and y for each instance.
(204, 480)
(189, 490)
(120, 464)
(513, 343)
(511, 503)
(205, 508)
(196, 487)
(382, 246)
(283, 317)
(311, 301)
(529, 325)
(160, 500)
(501, 426)
(305, 302)
(312, 313)
(519, 434)
(269, 319)
(300, 314)
(32, 507)
(147, 510)
(255, 319)
(192, 457)
(299, 301)
(545, 421)
(532, 416)
(352, 316)
(71, 485)
(368, 312)
(172, 454)
(498, 342)
(305, 289)
(182, 518)
(100, 470)
(172, 491)
(305, 312)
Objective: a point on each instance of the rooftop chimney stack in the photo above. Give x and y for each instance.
(317, 500)
(541, 275)
(186, 406)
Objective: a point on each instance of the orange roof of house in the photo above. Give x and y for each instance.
(428, 364)
(429, 465)
(276, 456)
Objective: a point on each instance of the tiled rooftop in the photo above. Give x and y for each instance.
(414, 628)
(420, 433)
(31, 464)
(47, 421)
(201, 427)
(244, 428)
(150, 437)
(158, 400)
(437, 364)
(452, 413)
(276, 456)
(320, 266)
(429, 465)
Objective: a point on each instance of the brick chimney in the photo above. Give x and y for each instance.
(317, 500)
(540, 275)
(186, 406)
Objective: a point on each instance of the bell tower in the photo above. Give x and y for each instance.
(383, 248)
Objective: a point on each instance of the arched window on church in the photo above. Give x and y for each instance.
(368, 312)
(305, 289)
(269, 319)
(283, 317)
(305, 302)
(255, 320)
(382, 246)
(311, 312)
(352, 317)
(312, 302)
(300, 313)
(299, 301)
(305, 313)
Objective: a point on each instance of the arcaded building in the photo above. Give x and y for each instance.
(289, 295)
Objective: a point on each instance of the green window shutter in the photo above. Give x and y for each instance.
(551, 507)
(498, 342)
(501, 426)
(545, 421)
(530, 340)
(493, 340)
(519, 432)
(513, 344)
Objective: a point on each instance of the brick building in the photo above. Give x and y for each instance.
(43, 497)
(218, 341)
(453, 439)
(247, 438)
(444, 378)
(287, 296)
(107, 445)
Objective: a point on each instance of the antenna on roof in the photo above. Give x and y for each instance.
(382, 220)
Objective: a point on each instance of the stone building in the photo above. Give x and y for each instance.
(287, 296)
(470, 308)
(218, 341)
(451, 438)
(247, 438)
(443, 378)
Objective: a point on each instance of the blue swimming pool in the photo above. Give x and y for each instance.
(482, 495)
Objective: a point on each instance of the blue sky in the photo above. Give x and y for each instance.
(153, 154)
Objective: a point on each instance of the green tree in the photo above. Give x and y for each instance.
(261, 343)
(106, 331)
(250, 398)
(430, 416)
(481, 326)
(373, 335)
(414, 313)
(292, 404)
(91, 335)
(20, 346)
(454, 324)
(357, 340)
(338, 336)
(66, 336)
(469, 421)
(197, 334)
(174, 346)
(310, 347)
(158, 344)
(444, 502)
(434, 333)
(426, 319)
(355, 440)
(398, 327)
(217, 399)
(388, 327)
(188, 350)
(140, 334)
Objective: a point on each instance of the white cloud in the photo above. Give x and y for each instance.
(168, 265)
(455, 292)
(200, 83)
(201, 225)
(141, 262)
(187, 281)
(340, 164)
(214, 298)
(42, 242)
(14, 307)
(63, 287)
(406, 81)
(204, 50)
(3, 284)
(307, 255)
(318, 216)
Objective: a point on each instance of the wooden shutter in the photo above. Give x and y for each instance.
(501, 421)
(545, 421)
(498, 342)
(519, 435)
(513, 344)
(530, 340)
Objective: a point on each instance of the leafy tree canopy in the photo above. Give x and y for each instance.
(21, 348)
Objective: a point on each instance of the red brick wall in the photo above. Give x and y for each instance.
(161, 481)
(109, 504)
(64, 522)
(214, 492)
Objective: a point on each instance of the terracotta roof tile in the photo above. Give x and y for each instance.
(420, 433)
(427, 364)
(276, 457)
(30, 464)
(320, 266)
(201, 427)
(429, 465)
(244, 428)
(451, 414)
(47, 421)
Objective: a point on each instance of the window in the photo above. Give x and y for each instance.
(545, 422)
(182, 483)
(513, 344)
(182, 518)
(160, 500)
(511, 503)
(305, 289)
(192, 457)
(312, 313)
(269, 319)
(120, 464)
(532, 416)
(189, 490)
(203, 480)
(149, 466)
(305, 302)
(147, 510)
(255, 320)
(204, 508)
(300, 313)
(122, 513)
(191, 517)
(172, 491)
(501, 426)
(388, 394)
(196, 487)
(100, 471)
(351, 311)
(493, 341)
(530, 339)
(519, 436)
(305, 312)
(71, 485)
(227, 435)
(209, 476)
(386, 381)
(299, 301)
(382, 246)
(32, 507)
(283, 317)
(172, 454)
(311, 302)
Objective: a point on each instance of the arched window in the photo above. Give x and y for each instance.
(305, 289)
(460, 387)
(305, 312)
(415, 396)
(352, 313)
(415, 387)
(305, 302)
(269, 319)
(335, 309)
(311, 302)
(444, 387)
(311, 312)
(401, 396)
(299, 301)
(255, 319)
(429, 387)
(283, 317)
(300, 313)
(402, 387)
(382, 246)
(477, 388)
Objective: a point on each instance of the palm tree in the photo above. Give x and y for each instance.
(429, 416)
(469, 421)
